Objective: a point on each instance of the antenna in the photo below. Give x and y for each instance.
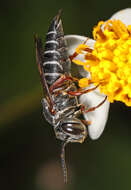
(63, 163)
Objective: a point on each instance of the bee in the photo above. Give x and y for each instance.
(61, 107)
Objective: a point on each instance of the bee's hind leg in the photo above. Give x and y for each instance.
(85, 110)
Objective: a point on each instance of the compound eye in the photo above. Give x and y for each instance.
(73, 128)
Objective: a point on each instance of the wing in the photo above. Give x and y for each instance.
(39, 61)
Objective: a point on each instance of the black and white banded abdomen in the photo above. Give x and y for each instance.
(56, 61)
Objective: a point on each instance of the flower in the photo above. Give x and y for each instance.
(99, 117)
(110, 61)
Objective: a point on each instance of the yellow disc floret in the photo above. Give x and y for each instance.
(84, 82)
(110, 61)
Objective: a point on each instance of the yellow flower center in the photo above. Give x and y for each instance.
(109, 63)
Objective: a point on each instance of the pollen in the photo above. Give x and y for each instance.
(109, 63)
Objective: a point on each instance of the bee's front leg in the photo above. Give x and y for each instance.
(86, 49)
(59, 82)
(86, 123)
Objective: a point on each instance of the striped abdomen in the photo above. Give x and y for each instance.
(56, 61)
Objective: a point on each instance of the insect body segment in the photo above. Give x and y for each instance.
(54, 66)
(55, 55)
(60, 109)
(60, 105)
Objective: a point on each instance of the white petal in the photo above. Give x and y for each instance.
(98, 117)
(123, 15)
(72, 42)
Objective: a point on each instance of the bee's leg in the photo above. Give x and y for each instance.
(47, 112)
(83, 108)
(60, 81)
(86, 122)
(63, 90)
(80, 92)
(73, 56)
(87, 49)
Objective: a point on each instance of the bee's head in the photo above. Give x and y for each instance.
(72, 129)
(69, 130)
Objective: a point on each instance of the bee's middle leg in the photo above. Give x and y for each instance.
(80, 92)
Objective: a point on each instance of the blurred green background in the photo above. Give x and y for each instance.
(29, 152)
